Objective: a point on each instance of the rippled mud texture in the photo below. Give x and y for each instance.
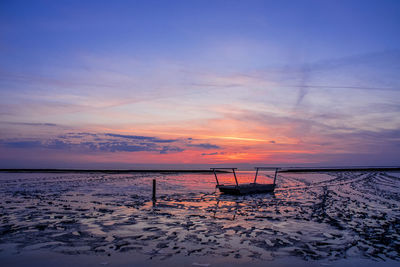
(311, 216)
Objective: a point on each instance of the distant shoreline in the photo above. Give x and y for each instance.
(101, 171)
(284, 169)
(332, 169)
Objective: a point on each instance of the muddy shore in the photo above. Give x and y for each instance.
(333, 218)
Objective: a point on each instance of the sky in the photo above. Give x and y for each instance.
(186, 84)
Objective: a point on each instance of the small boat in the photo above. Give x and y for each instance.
(248, 188)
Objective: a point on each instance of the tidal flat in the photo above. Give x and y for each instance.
(89, 219)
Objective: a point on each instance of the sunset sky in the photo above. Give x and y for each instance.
(144, 84)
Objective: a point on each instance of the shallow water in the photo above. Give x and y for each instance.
(311, 216)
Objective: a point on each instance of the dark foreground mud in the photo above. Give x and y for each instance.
(312, 216)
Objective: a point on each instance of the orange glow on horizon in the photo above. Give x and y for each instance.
(235, 141)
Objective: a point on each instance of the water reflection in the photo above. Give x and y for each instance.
(225, 209)
(229, 207)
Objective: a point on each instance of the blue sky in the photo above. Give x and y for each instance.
(36, 33)
(302, 82)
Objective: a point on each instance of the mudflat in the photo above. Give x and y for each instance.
(317, 218)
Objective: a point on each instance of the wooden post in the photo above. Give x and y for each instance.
(276, 173)
(233, 169)
(255, 177)
(154, 189)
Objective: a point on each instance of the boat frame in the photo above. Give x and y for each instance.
(249, 188)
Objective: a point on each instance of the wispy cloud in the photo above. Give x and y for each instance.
(29, 123)
(337, 105)
(210, 154)
(204, 146)
(143, 138)
(108, 142)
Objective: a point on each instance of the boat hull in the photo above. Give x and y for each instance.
(244, 189)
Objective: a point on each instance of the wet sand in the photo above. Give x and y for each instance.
(335, 218)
